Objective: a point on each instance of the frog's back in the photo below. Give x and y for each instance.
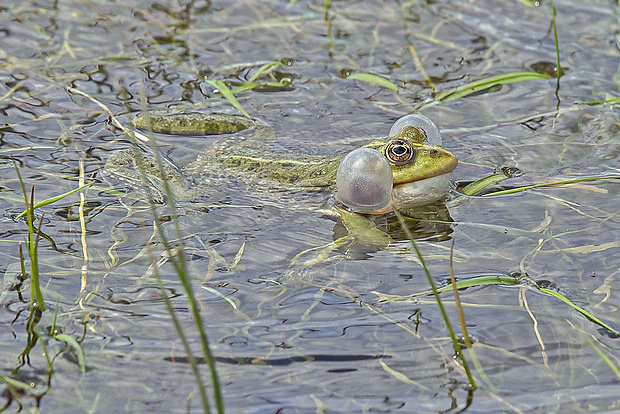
(261, 159)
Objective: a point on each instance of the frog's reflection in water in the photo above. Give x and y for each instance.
(429, 223)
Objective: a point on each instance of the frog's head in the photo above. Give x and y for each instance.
(408, 168)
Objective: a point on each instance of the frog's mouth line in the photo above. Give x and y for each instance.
(417, 193)
(422, 191)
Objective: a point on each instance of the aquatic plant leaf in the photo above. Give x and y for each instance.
(246, 86)
(264, 68)
(578, 309)
(461, 284)
(480, 184)
(69, 340)
(558, 67)
(589, 248)
(604, 101)
(20, 385)
(54, 199)
(485, 83)
(600, 353)
(574, 180)
(401, 377)
(227, 93)
(221, 296)
(36, 297)
(237, 257)
(374, 79)
(323, 251)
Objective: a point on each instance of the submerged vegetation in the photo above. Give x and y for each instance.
(264, 294)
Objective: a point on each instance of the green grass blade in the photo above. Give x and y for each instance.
(374, 79)
(584, 312)
(480, 184)
(574, 180)
(264, 68)
(227, 93)
(603, 101)
(555, 39)
(179, 261)
(55, 199)
(36, 297)
(484, 83)
(18, 389)
(600, 353)
(402, 377)
(76, 347)
(461, 284)
(246, 86)
(184, 341)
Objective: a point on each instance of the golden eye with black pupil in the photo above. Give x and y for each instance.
(399, 152)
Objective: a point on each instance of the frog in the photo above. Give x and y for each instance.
(411, 167)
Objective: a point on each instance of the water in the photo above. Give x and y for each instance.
(295, 337)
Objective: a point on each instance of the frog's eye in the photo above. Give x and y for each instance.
(399, 152)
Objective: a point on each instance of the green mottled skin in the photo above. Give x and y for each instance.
(252, 160)
(192, 123)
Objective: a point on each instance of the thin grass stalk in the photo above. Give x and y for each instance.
(264, 68)
(17, 390)
(579, 309)
(444, 314)
(556, 183)
(557, 45)
(600, 353)
(457, 299)
(459, 311)
(179, 262)
(186, 346)
(22, 265)
(326, 19)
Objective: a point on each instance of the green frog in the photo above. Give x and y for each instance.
(407, 168)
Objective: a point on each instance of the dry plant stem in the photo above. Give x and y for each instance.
(457, 300)
(536, 331)
(83, 278)
(418, 64)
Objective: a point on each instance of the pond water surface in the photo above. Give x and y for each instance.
(295, 322)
